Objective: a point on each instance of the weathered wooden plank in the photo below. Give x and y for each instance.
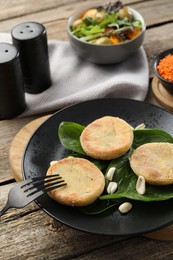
(133, 249)
(62, 12)
(155, 12)
(14, 8)
(22, 230)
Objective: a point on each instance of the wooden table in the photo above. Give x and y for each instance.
(29, 233)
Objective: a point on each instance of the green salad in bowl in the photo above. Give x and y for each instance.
(106, 34)
(112, 23)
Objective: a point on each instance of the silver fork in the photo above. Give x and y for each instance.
(28, 190)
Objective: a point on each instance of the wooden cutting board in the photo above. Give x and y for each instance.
(15, 159)
(18, 145)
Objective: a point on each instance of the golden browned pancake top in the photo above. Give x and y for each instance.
(85, 182)
(107, 138)
(154, 161)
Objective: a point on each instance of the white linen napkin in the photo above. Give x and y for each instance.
(75, 80)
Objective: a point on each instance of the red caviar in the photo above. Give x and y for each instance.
(165, 67)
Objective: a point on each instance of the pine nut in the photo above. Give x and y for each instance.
(140, 185)
(110, 173)
(125, 207)
(112, 187)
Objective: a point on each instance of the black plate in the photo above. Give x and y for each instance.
(44, 147)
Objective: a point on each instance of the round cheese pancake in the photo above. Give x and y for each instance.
(85, 182)
(154, 161)
(107, 138)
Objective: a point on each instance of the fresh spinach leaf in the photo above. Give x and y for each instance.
(69, 135)
(143, 136)
(127, 189)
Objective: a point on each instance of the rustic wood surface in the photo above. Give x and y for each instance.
(30, 233)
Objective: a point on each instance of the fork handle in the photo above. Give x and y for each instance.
(2, 211)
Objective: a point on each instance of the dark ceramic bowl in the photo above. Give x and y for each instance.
(168, 85)
(105, 53)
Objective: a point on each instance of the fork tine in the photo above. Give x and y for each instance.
(36, 181)
(42, 183)
(56, 186)
(45, 178)
(37, 193)
(42, 186)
